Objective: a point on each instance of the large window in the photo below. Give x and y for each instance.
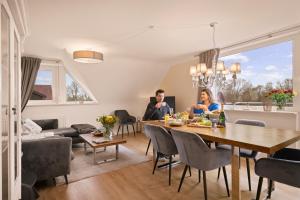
(54, 85)
(74, 91)
(262, 70)
(43, 87)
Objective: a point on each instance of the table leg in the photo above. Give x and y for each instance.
(94, 152)
(84, 145)
(235, 174)
(117, 151)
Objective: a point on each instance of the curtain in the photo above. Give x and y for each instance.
(29, 67)
(208, 57)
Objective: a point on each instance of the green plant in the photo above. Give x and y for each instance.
(281, 97)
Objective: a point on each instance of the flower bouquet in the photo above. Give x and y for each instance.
(108, 122)
(281, 97)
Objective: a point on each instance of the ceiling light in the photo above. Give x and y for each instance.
(87, 56)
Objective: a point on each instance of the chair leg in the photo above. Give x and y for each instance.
(270, 189)
(66, 179)
(182, 177)
(248, 173)
(226, 182)
(204, 185)
(122, 130)
(54, 181)
(157, 158)
(170, 169)
(260, 181)
(199, 175)
(127, 130)
(190, 171)
(148, 146)
(118, 129)
(133, 129)
(219, 171)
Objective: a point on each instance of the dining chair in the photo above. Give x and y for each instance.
(163, 144)
(244, 153)
(195, 153)
(282, 167)
(125, 119)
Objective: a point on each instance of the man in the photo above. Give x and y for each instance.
(158, 109)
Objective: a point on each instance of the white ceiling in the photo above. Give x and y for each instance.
(120, 27)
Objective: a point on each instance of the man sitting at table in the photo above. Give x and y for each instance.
(205, 104)
(158, 109)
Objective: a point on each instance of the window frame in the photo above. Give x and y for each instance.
(257, 45)
(59, 87)
(54, 70)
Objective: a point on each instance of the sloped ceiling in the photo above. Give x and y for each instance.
(141, 38)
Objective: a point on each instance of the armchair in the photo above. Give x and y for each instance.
(125, 119)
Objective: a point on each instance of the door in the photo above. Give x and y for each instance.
(5, 97)
(10, 144)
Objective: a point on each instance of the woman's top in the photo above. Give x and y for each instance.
(211, 107)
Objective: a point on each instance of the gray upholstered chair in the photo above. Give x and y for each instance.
(195, 153)
(245, 153)
(163, 143)
(283, 167)
(125, 119)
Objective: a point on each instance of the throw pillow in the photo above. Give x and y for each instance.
(31, 127)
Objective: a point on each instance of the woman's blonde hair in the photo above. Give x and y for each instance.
(209, 94)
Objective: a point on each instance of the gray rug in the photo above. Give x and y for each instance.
(82, 166)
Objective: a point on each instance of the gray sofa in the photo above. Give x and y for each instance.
(51, 125)
(47, 158)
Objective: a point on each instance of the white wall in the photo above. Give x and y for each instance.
(177, 82)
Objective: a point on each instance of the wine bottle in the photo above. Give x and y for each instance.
(222, 118)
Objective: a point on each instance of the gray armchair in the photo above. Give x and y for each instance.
(125, 119)
(245, 153)
(283, 167)
(163, 143)
(47, 158)
(195, 153)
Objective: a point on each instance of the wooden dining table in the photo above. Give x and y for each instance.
(261, 139)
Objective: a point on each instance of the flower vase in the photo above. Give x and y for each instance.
(107, 134)
(280, 108)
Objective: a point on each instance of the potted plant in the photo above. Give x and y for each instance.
(108, 122)
(281, 97)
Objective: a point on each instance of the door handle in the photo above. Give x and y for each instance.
(14, 110)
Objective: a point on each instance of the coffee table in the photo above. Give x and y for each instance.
(89, 139)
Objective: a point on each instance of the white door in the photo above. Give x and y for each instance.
(10, 144)
(6, 100)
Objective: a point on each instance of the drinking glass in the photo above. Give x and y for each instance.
(171, 111)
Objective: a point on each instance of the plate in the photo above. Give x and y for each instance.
(176, 123)
(198, 125)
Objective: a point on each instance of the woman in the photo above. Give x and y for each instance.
(205, 104)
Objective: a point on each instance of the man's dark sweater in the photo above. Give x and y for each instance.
(153, 113)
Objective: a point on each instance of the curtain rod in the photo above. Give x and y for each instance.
(280, 32)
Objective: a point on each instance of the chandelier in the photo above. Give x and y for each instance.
(202, 76)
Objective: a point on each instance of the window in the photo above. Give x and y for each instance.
(55, 85)
(74, 92)
(262, 69)
(43, 87)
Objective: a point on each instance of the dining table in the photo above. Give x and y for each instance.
(261, 139)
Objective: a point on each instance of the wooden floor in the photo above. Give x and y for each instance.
(137, 183)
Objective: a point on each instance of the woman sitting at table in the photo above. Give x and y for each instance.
(205, 104)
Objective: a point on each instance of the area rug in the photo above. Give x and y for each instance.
(82, 166)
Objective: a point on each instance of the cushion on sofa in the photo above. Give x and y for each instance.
(31, 127)
(47, 124)
(67, 132)
(84, 128)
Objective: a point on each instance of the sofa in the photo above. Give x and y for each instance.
(48, 157)
(51, 125)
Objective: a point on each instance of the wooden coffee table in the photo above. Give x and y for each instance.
(89, 138)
